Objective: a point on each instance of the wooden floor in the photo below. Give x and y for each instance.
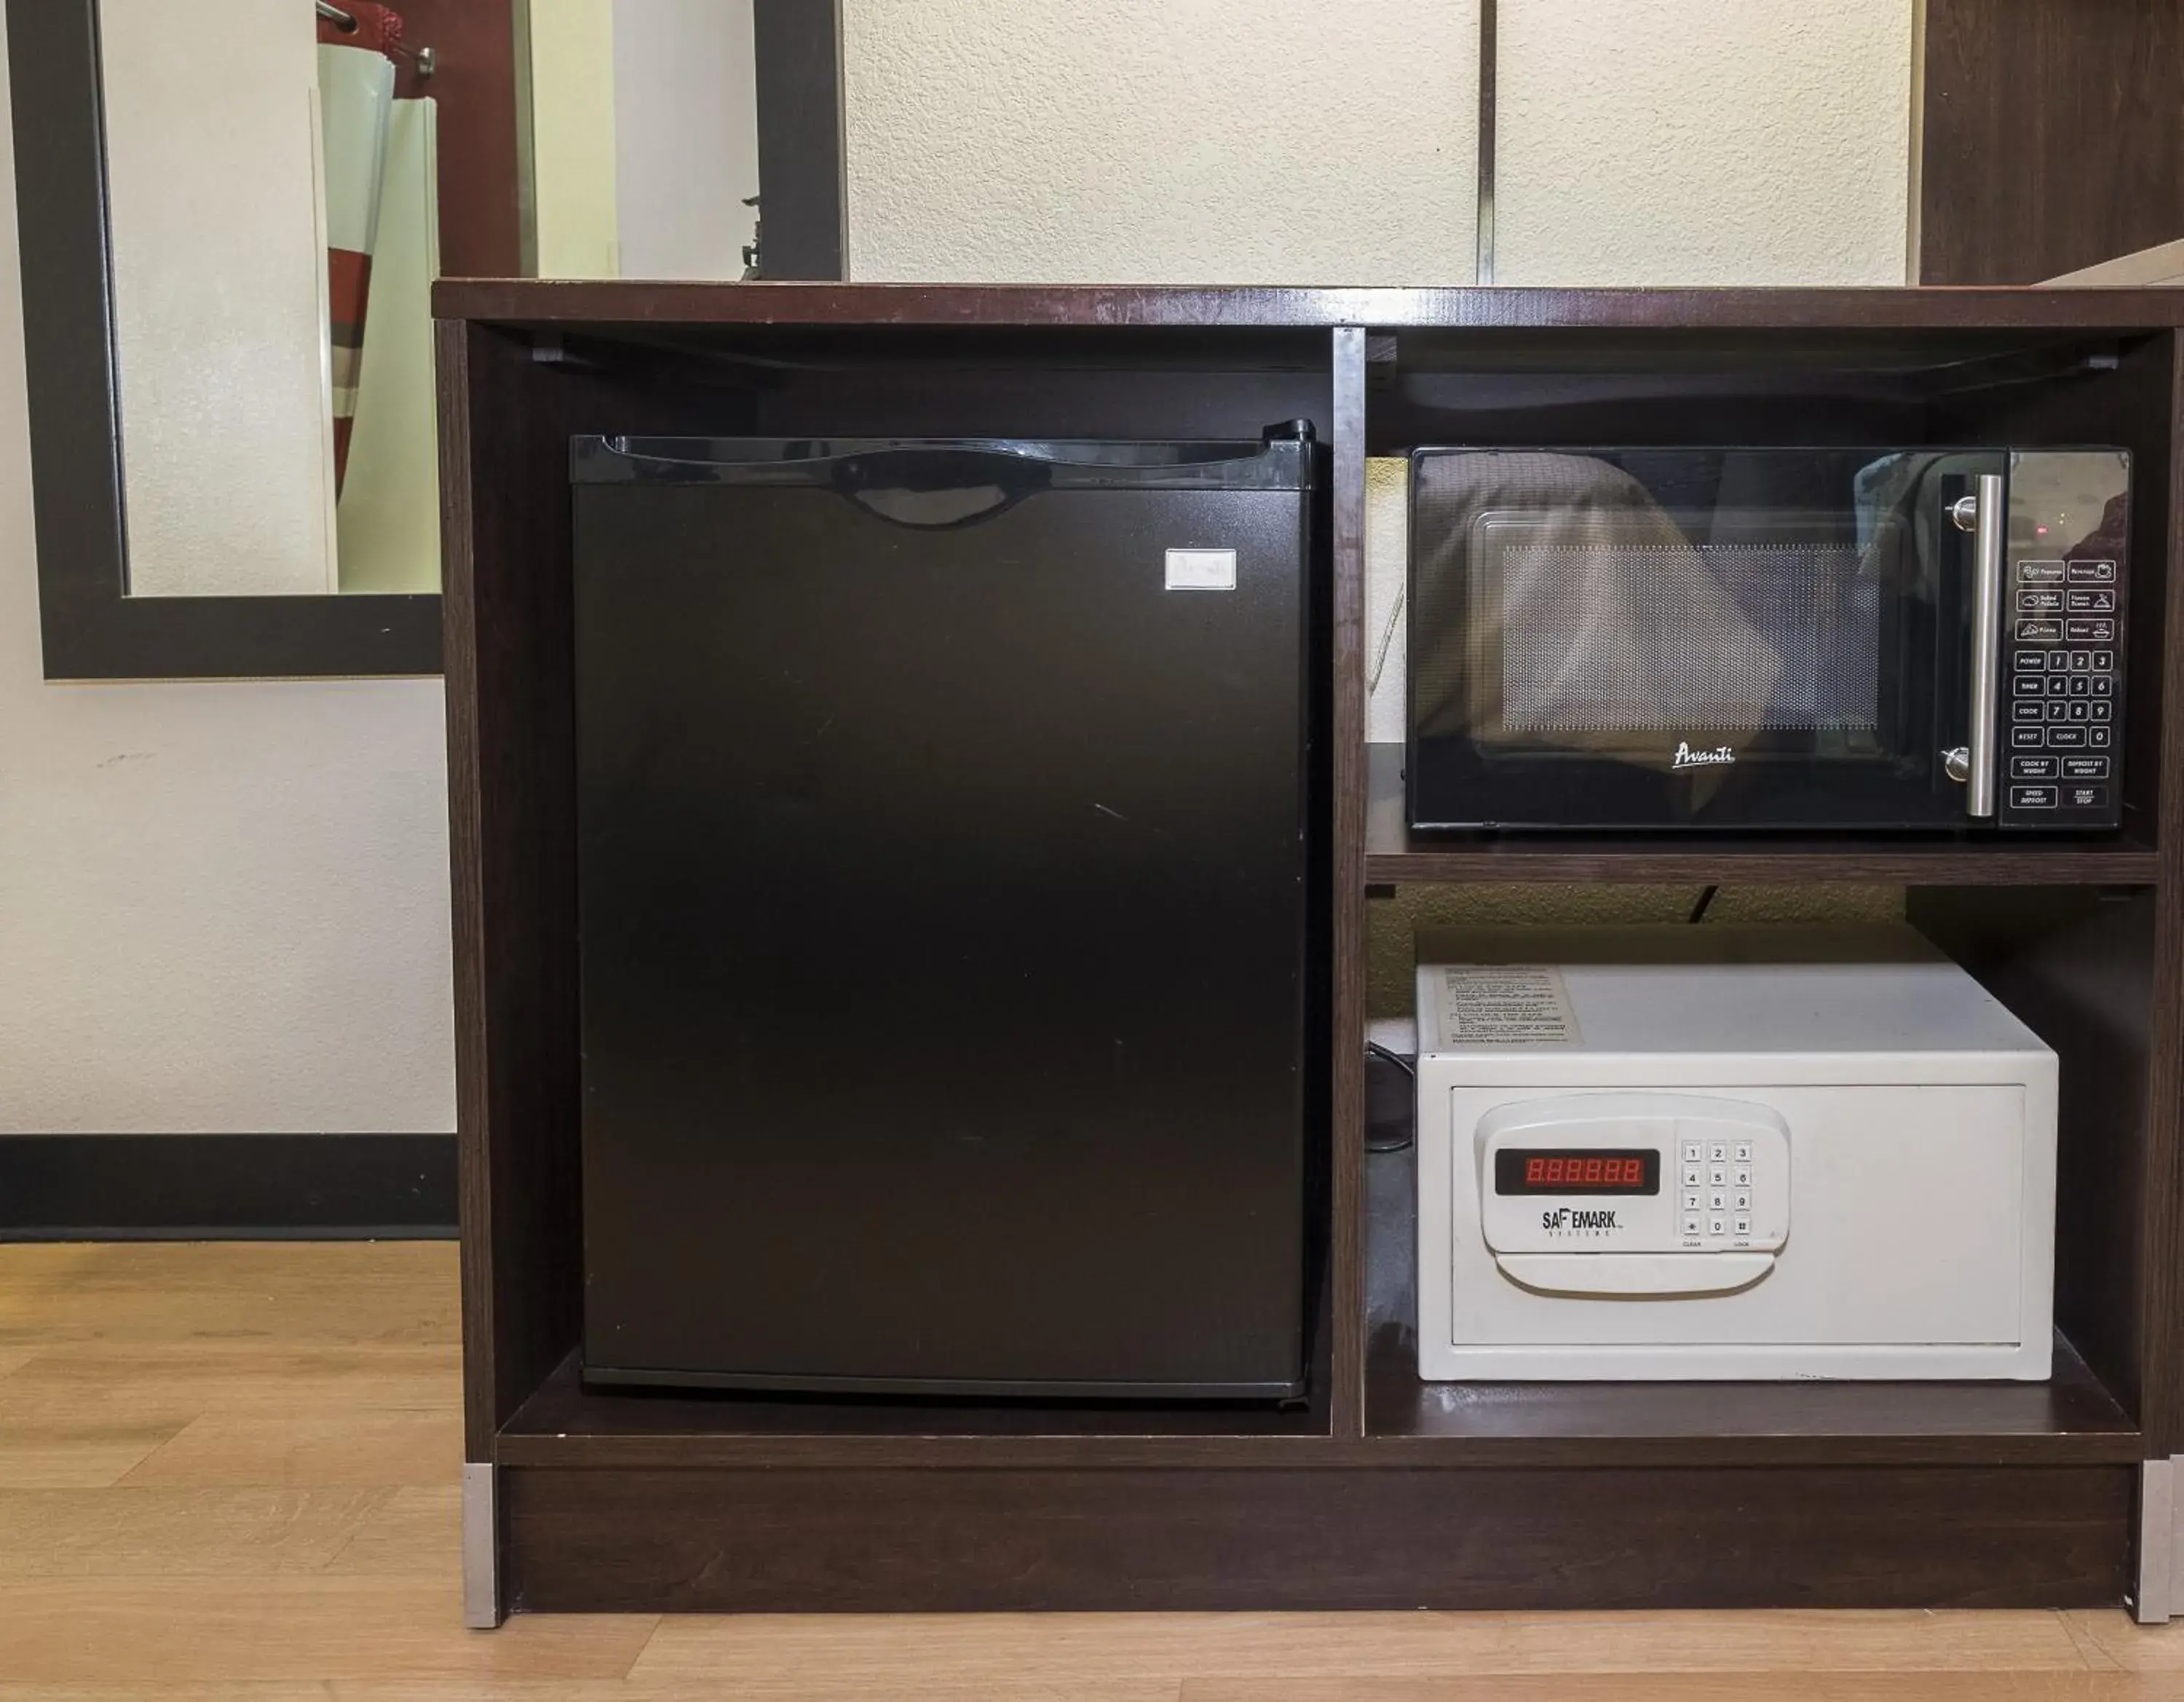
(229, 1472)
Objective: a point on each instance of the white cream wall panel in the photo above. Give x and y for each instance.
(222, 907)
(219, 303)
(1162, 141)
(685, 135)
(1702, 141)
(572, 137)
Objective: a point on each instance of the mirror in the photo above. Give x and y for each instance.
(232, 213)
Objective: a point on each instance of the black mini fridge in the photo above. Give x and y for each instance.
(951, 914)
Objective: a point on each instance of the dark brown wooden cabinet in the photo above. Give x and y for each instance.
(1380, 1491)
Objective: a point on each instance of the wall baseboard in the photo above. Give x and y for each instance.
(214, 1188)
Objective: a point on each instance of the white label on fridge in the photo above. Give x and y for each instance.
(1202, 570)
(1518, 1004)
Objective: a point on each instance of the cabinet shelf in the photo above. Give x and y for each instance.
(2071, 1420)
(566, 1424)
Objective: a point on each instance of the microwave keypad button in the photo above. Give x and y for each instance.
(2082, 712)
(2081, 767)
(2031, 798)
(2080, 660)
(2101, 711)
(2090, 602)
(2039, 573)
(2092, 573)
(2100, 738)
(2035, 767)
(2073, 738)
(2039, 602)
(2039, 631)
(2085, 797)
(2093, 630)
(2103, 685)
(2028, 685)
(2104, 660)
(2080, 685)
(2025, 712)
(2027, 738)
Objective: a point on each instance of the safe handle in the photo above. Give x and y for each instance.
(1983, 514)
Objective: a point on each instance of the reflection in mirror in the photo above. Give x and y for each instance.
(274, 221)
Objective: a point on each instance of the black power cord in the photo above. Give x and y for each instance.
(1389, 1055)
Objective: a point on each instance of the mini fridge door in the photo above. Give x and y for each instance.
(949, 914)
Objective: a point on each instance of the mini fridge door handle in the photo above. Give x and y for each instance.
(1983, 516)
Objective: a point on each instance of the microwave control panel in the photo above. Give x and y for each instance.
(2061, 745)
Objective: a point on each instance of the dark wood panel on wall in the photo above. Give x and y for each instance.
(923, 1541)
(2054, 138)
(474, 79)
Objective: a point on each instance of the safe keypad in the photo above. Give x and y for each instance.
(1716, 1198)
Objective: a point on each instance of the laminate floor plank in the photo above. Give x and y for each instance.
(88, 1451)
(238, 1290)
(270, 1380)
(153, 1631)
(863, 1651)
(364, 1448)
(2133, 1647)
(414, 1532)
(1702, 1687)
(127, 1534)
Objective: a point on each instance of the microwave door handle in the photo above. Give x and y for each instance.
(1983, 516)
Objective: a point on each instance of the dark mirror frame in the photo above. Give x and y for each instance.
(93, 629)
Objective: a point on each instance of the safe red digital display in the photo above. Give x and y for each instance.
(1591, 1170)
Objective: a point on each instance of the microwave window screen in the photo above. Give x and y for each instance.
(1620, 634)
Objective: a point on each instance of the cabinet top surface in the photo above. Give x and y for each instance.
(629, 302)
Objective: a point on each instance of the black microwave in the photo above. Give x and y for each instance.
(1750, 638)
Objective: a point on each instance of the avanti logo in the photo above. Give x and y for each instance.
(1685, 757)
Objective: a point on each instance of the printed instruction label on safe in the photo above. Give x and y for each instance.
(1511, 1005)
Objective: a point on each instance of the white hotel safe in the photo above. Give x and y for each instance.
(1716, 1152)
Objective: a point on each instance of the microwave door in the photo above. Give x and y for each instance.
(1947, 680)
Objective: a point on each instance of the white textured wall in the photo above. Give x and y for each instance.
(222, 907)
(220, 295)
(685, 135)
(1702, 141)
(1184, 141)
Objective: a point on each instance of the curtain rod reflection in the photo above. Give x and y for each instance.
(346, 22)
